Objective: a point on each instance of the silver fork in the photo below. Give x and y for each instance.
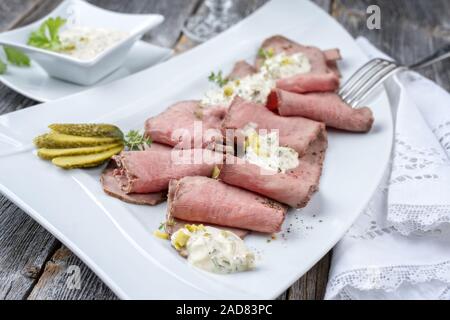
(364, 81)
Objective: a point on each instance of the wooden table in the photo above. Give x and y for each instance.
(33, 264)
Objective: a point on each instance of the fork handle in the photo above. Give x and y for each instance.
(439, 55)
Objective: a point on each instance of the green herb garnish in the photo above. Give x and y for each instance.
(16, 57)
(3, 67)
(162, 226)
(266, 54)
(218, 78)
(47, 36)
(136, 141)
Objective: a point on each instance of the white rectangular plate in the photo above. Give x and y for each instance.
(115, 239)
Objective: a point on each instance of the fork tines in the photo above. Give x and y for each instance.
(367, 79)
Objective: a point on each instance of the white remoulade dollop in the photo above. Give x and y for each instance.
(256, 87)
(212, 249)
(263, 150)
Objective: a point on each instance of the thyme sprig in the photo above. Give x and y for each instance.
(218, 78)
(134, 140)
(266, 54)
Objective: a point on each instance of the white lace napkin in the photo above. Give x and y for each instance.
(419, 186)
(398, 248)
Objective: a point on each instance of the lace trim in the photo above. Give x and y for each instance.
(387, 278)
(445, 295)
(409, 219)
(442, 132)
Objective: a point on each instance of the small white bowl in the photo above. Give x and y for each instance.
(84, 72)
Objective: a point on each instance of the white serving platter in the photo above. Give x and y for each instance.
(115, 239)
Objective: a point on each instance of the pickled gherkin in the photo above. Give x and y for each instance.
(88, 130)
(49, 154)
(58, 140)
(86, 161)
(71, 146)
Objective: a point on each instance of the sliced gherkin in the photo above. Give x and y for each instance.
(49, 154)
(58, 140)
(88, 130)
(86, 161)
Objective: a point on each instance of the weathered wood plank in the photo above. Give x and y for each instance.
(66, 277)
(12, 11)
(24, 245)
(441, 71)
(313, 284)
(243, 7)
(410, 29)
(175, 12)
(324, 4)
(40, 10)
(24, 248)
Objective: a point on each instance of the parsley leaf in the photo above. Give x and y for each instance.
(218, 78)
(16, 57)
(3, 67)
(136, 141)
(47, 37)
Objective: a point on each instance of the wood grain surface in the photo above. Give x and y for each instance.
(34, 265)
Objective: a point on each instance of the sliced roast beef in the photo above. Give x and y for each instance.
(324, 75)
(325, 107)
(186, 124)
(207, 200)
(332, 55)
(241, 69)
(310, 82)
(175, 224)
(317, 58)
(334, 68)
(297, 133)
(151, 170)
(294, 188)
(112, 188)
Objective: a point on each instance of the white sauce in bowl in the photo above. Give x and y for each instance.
(86, 43)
